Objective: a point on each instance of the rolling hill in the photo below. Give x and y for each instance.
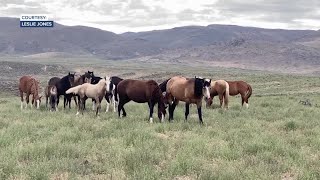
(217, 45)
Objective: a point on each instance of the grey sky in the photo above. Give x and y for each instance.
(142, 15)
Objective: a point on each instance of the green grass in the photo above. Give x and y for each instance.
(274, 137)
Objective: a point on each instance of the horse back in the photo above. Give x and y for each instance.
(237, 87)
(181, 88)
(25, 84)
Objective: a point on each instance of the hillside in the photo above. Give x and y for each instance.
(217, 45)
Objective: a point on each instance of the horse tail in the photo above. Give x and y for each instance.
(227, 94)
(74, 90)
(249, 92)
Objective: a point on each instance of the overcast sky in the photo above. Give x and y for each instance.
(142, 15)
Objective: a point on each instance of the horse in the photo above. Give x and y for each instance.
(51, 93)
(62, 85)
(221, 88)
(242, 88)
(78, 80)
(29, 85)
(163, 85)
(141, 92)
(191, 91)
(87, 90)
(111, 94)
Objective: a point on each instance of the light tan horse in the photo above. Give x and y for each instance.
(220, 88)
(190, 91)
(87, 90)
(29, 85)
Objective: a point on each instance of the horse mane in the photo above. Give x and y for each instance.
(163, 85)
(198, 85)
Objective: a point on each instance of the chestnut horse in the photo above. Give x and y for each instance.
(221, 88)
(242, 88)
(87, 90)
(141, 92)
(51, 93)
(191, 91)
(29, 85)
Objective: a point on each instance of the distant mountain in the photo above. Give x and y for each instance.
(222, 45)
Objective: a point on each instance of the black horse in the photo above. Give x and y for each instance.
(63, 85)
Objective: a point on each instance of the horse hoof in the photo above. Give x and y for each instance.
(151, 120)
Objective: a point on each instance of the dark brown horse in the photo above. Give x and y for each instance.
(242, 88)
(51, 93)
(191, 91)
(141, 92)
(30, 86)
(63, 85)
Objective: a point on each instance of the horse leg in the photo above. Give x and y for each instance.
(27, 100)
(108, 103)
(221, 100)
(247, 102)
(69, 101)
(64, 101)
(98, 104)
(171, 110)
(151, 107)
(75, 100)
(114, 103)
(121, 107)
(46, 102)
(187, 111)
(199, 112)
(93, 104)
(21, 97)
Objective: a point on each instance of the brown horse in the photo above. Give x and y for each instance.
(242, 88)
(221, 88)
(51, 93)
(141, 92)
(191, 91)
(87, 90)
(29, 85)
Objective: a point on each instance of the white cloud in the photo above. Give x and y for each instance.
(142, 15)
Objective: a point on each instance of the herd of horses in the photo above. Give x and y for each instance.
(121, 91)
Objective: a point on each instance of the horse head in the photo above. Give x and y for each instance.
(202, 87)
(71, 78)
(208, 101)
(87, 77)
(109, 84)
(162, 107)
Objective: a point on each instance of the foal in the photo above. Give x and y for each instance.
(221, 88)
(51, 93)
(29, 85)
(87, 90)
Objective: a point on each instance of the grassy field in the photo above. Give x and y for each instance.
(276, 138)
